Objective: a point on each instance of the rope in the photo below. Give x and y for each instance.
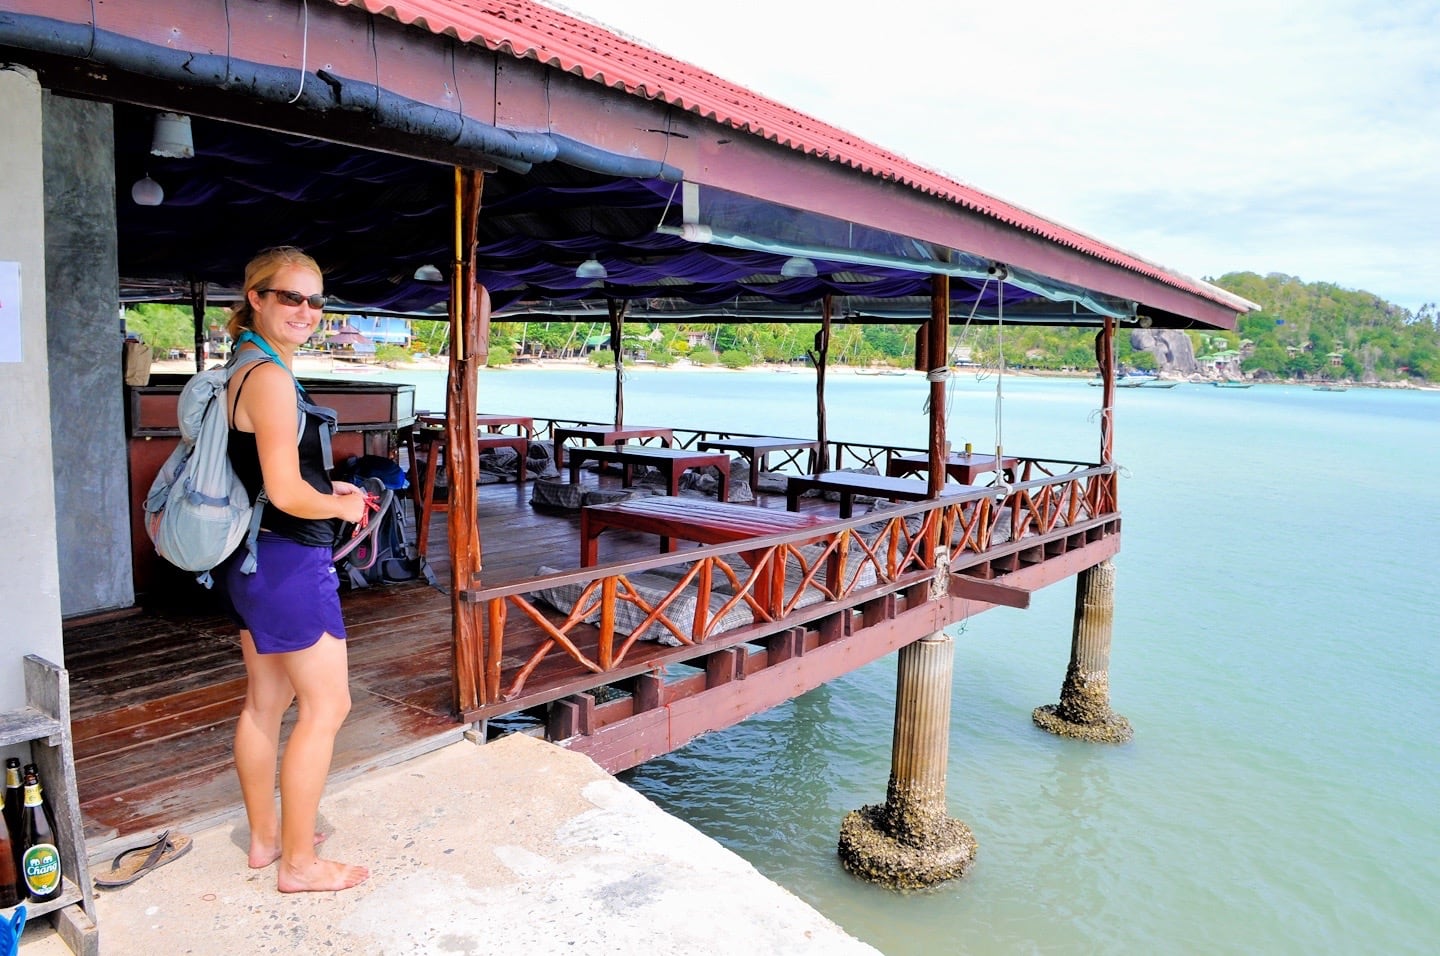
(1000, 369)
(304, 46)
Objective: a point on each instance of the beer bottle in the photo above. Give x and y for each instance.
(9, 888)
(14, 796)
(40, 859)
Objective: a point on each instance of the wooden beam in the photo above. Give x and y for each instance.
(991, 592)
(469, 316)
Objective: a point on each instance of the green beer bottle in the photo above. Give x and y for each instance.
(9, 887)
(40, 857)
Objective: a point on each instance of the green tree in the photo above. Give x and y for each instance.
(164, 327)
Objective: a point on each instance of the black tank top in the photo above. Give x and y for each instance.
(245, 459)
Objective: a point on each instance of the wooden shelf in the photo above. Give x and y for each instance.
(27, 724)
(69, 893)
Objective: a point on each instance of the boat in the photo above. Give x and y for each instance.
(1330, 388)
(1231, 383)
(879, 371)
(1137, 380)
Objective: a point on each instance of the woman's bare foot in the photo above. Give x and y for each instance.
(318, 875)
(262, 855)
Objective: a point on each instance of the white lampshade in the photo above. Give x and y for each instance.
(591, 268)
(172, 137)
(429, 273)
(798, 267)
(147, 192)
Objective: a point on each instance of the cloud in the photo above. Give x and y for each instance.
(1214, 137)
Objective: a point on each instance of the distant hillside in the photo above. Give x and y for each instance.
(1319, 330)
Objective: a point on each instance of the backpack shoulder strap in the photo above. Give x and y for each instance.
(242, 357)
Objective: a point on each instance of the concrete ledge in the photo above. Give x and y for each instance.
(517, 847)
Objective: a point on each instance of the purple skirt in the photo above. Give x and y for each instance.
(291, 600)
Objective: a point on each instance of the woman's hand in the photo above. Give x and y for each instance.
(349, 502)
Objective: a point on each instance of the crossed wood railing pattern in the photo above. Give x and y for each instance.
(887, 550)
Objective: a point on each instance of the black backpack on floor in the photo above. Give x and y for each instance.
(391, 557)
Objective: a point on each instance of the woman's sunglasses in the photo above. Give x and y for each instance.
(290, 297)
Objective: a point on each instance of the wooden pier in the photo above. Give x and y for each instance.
(157, 690)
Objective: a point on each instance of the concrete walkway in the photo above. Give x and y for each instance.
(517, 847)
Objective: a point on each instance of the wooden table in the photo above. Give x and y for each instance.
(704, 521)
(756, 449)
(848, 484)
(605, 435)
(484, 421)
(672, 462)
(959, 466)
(493, 423)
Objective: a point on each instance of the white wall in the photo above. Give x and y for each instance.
(29, 569)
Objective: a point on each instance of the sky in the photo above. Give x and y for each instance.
(1209, 137)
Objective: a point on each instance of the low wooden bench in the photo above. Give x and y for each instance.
(848, 484)
(672, 462)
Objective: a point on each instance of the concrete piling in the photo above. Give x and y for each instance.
(910, 841)
(1084, 709)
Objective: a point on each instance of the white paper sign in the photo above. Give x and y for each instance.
(9, 311)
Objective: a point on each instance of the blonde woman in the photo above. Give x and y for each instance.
(288, 605)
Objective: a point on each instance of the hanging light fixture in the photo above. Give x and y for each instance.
(147, 192)
(798, 267)
(591, 268)
(428, 273)
(172, 137)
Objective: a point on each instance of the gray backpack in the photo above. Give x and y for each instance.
(197, 511)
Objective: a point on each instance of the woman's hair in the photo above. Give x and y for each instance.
(258, 275)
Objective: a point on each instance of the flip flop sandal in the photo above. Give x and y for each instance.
(351, 537)
(135, 862)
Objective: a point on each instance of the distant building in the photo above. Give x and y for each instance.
(381, 331)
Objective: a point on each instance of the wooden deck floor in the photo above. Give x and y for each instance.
(156, 693)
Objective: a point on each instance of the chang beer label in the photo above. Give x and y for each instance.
(41, 866)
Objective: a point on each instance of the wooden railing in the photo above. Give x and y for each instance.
(711, 600)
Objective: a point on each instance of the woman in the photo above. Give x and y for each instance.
(288, 609)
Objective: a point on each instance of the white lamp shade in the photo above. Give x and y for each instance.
(147, 192)
(172, 137)
(429, 273)
(591, 268)
(798, 267)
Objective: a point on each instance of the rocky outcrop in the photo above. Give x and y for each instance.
(1171, 347)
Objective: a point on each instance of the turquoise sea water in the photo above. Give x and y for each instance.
(1275, 648)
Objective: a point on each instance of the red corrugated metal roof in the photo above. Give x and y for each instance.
(528, 30)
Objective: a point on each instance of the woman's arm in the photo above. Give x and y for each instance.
(268, 405)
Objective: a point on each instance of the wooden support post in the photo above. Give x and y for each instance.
(820, 356)
(570, 717)
(469, 319)
(722, 667)
(616, 308)
(648, 691)
(785, 645)
(880, 609)
(1084, 709)
(910, 841)
(197, 314)
(833, 627)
